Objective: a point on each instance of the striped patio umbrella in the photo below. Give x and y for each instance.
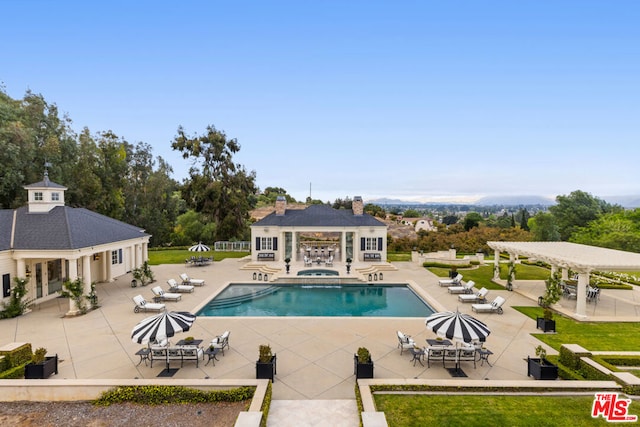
(199, 248)
(161, 326)
(457, 326)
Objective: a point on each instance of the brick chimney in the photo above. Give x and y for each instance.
(357, 206)
(281, 205)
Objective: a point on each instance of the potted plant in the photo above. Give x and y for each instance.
(348, 265)
(551, 296)
(286, 262)
(362, 363)
(41, 367)
(540, 368)
(189, 340)
(266, 364)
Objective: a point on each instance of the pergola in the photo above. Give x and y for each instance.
(582, 259)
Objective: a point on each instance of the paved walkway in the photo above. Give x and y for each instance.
(315, 355)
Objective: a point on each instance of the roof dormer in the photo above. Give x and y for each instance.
(45, 195)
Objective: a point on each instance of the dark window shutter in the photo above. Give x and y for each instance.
(257, 243)
(379, 243)
(275, 243)
(362, 244)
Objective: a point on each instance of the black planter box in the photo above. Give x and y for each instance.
(362, 370)
(266, 370)
(545, 324)
(42, 370)
(539, 371)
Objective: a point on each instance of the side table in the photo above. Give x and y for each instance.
(484, 356)
(144, 355)
(211, 354)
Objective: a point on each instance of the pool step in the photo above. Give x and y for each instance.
(238, 299)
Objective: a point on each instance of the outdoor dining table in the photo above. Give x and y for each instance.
(144, 355)
(211, 354)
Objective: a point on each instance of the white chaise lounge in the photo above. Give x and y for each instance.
(493, 307)
(143, 305)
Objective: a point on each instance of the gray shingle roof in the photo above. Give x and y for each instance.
(66, 228)
(319, 216)
(6, 218)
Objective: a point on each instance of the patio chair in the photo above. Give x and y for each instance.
(478, 297)
(450, 355)
(467, 354)
(221, 341)
(467, 288)
(143, 305)
(307, 261)
(404, 341)
(186, 280)
(593, 294)
(165, 296)
(434, 353)
(191, 352)
(451, 282)
(329, 262)
(175, 287)
(493, 307)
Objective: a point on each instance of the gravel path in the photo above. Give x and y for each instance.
(71, 414)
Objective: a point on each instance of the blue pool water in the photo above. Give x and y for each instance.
(317, 300)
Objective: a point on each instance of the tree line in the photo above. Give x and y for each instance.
(106, 173)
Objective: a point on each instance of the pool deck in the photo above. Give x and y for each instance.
(314, 355)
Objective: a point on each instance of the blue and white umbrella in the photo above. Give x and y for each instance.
(161, 326)
(457, 326)
(199, 248)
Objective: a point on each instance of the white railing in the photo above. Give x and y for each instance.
(232, 246)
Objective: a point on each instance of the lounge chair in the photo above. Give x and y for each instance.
(186, 280)
(143, 305)
(404, 341)
(175, 287)
(165, 296)
(493, 307)
(467, 288)
(451, 282)
(478, 297)
(221, 341)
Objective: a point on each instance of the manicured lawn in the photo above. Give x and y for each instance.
(177, 256)
(482, 275)
(486, 410)
(399, 256)
(590, 335)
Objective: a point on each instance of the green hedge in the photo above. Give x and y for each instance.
(266, 404)
(445, 265)
(19, 356)
(160, 395)
(14, 373)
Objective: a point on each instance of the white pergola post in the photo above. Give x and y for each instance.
(86, 274)
(565, 273)
(581, 298)
(496, 264)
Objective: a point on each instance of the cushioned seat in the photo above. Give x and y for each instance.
(478, 297)
(175, 287)
(467, 288)
(186, 280)
(143, 305)
(165, 296)
(493, 307)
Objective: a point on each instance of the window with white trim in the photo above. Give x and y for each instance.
(371, 243)
(55, 197)
(37, 196)
(266, 243)
(114, 258)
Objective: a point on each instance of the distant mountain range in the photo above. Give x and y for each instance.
(624, 201)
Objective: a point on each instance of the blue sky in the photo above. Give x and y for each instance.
(418, 100)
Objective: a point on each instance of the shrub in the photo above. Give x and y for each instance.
(363, 355)
(16, 305)
(265, 353)
(39, 355)
(160, 395)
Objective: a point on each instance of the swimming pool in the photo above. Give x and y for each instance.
(247, 299)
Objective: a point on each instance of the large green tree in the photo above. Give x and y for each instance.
(543, 227)
(217, 187)
(616, 230)
(576, 210)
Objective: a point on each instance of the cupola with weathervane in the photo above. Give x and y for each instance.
(45, 195)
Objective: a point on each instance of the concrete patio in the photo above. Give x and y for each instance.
(315, 355)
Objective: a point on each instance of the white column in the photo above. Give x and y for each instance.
(145, 251)
(136, 256)
(86, 273)
(21, 269)
(565, 273)
(294, 247)
(581, 298)
(343, 246)
(73, 275)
